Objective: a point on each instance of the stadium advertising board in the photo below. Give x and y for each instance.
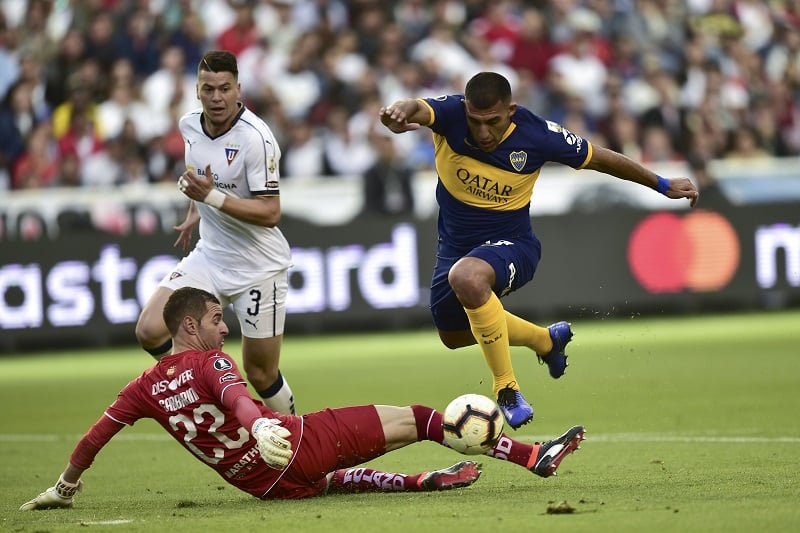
(87, 287)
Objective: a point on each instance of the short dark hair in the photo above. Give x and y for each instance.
(186, 301)
(219, 61)
(485, 89)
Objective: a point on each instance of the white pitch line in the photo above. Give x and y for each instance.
(660, 437)
(590, 437)
(22, 437)
(118, 522)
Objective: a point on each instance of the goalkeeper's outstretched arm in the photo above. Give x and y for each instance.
(271, 437)
(59, 495)
(69, 482)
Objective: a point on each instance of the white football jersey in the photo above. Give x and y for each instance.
(244, 164)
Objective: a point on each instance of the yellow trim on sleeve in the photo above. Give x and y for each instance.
(430, 109)
(589, 151)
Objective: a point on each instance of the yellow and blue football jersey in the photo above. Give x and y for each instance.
(486, 195)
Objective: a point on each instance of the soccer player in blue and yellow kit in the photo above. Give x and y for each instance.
(488, 155)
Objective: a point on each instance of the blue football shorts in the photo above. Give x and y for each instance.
(514, 262)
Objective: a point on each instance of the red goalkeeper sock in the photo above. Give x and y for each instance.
(429, 423)
(514, 451)
(352, 480)
(429, 427)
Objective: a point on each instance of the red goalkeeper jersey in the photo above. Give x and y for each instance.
(191, 395)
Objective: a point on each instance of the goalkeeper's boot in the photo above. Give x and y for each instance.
(551, 453)
(461, 474)
(556, 359)
(514, 407)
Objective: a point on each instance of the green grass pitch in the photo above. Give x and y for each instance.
(693, 424)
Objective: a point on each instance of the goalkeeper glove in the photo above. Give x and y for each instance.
(58, 496)
(271, 437)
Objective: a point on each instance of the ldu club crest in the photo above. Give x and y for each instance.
(230, 154)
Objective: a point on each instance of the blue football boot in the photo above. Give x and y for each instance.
(556, 359)
(514, 407)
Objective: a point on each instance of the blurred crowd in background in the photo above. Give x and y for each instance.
(92, 90)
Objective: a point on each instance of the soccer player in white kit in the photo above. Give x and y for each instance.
(241, 257)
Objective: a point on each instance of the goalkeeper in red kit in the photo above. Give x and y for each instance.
(199, 397)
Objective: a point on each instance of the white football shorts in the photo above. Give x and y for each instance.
(258, 298)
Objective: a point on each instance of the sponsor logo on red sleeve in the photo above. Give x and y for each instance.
(230, 376)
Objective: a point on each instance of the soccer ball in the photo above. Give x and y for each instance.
(472, 424)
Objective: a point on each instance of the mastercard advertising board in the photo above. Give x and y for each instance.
(87, 287)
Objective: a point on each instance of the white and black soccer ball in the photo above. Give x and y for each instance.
(472, 424)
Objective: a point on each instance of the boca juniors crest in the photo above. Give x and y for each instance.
(518, 160)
